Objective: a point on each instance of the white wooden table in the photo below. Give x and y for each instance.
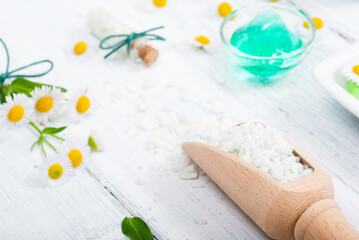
(128, 179)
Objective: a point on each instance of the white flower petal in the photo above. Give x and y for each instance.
(55, 110)
(19, 100)
(84, 149)
(73, 102)
(67, 169)
(347, 71)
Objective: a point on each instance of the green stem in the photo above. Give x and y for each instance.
(2, 89)
(37, 129)
(5, 90)
(42, 139)
(48, 143)
(9, 90)
(33, 145)
(53, 135)
(42, 146)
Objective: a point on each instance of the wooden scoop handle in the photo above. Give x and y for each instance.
(324, 221)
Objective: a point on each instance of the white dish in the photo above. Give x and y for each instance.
(328, 75)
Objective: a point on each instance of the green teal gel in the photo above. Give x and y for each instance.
(266, 36)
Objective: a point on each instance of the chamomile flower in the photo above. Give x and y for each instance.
(47, 103)
(78, 154)
(56, 170)
(80, 104)
(80, 48)
(224, 9)
(318, 23)
(94, 142)
(202, 42)
(160, 3)
(351, 71)
(16, 111)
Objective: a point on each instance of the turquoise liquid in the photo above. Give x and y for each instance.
(266, 36)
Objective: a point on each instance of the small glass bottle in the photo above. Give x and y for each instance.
(102, 25)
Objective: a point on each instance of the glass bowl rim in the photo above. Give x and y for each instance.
(280, 5)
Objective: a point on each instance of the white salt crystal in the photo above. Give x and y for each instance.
(201, 172)
(149, 85)
(190, 172)
(180, 162)
(141, 181)
(186, 97)
(264, 169)
(144, 125)
(167, 109)
(142, 107)
(151, 145)
(264, 147)
(307, 172)
(164, 122)
(156, 166)
(261, 146)
(164, 172)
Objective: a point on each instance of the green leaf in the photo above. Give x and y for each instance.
(21, 85)
(136, 229)
(52, 130)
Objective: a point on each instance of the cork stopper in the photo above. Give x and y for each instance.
(148, 54)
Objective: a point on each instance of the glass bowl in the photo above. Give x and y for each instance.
(267, 69)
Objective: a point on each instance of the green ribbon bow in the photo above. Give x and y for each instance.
(128, 39)
(8, 74)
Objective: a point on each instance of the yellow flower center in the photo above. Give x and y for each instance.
(83, 104)
(80, 48)
(16, 113)
(356, 69)
(317, 22)
(44, 104)
(224, 9)
(273, 0)
(55, 171)
(160, 3)
(75, 157)
(202, 40)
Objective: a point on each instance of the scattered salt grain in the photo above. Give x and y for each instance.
(190, 172)
(141, 181)
(180, 162)
(163, 172)
(144, 125)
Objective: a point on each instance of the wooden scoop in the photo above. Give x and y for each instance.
(301, 210)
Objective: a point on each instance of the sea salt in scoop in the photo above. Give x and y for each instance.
(264, 147)
(302, 210)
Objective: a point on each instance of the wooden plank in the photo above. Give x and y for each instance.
(80, 209)
(139, 178)
(339, 16)
(297, 105)
(177, 207)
